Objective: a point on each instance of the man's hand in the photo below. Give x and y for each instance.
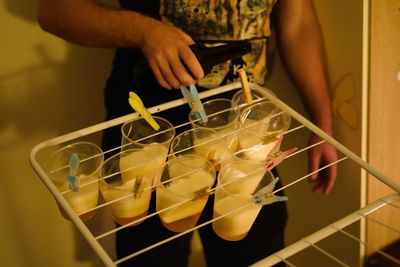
(319, 156)
(91, 23)
(169, 56)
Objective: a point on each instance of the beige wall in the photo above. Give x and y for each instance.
(341, 22)
(49, 87)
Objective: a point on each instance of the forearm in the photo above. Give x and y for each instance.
(303, 56)
(89, 23)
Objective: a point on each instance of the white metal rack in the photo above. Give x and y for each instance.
(311, 241)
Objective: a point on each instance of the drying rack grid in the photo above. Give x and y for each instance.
(311, 245)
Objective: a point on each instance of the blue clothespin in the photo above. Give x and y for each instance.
(193, 99)
(73, 170)
(264, 196)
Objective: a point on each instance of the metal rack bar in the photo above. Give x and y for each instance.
(326, 253)
(326, 231)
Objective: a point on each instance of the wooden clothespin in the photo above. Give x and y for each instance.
(245, 86)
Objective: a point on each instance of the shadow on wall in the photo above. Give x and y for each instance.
(50, 96)
(70, 89)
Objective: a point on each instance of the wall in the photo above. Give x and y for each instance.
(47, 88)
(341, 22)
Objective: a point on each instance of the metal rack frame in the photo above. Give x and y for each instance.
(275, 258)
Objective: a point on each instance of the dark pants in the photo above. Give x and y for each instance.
(265, 237)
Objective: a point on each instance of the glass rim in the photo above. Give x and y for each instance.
(233, 107)
(252, 90)
(259, 103)
(179, 136)
(246, 111)
(91, 144)
(171, 128)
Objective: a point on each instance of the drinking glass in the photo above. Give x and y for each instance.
(204, 142)
(183, 191)
(139, 134)
(127, 178)
(238, 182)
(223, 117)
(260, 126)
(87, 174)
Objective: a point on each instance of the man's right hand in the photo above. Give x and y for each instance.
(91, 23)
(168, 54)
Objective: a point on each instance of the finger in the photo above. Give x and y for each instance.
(317, 189)
(313, 165)
(167, 73)
(192, 63)
(189, 58)
(181, 72)
(330, 179)
(157, 73)
(320, 182)
(186, 37)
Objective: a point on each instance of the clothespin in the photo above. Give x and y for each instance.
(265, 195)
(137, 104)
(245, 86)
(276, 156)
(73, 170)
(139, 187)
(193, 99)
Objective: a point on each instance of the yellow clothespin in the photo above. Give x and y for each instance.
(245, 86)
(137, 104)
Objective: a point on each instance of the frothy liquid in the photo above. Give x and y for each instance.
(184, 216)
(246, 178)
(214, 148)
(254, 142)
(254, 147)
(128, 208)
(85, 198)
(236, 225)
(159, 153)
(133, 192)
(230, 138)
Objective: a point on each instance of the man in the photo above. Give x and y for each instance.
(161, 32)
